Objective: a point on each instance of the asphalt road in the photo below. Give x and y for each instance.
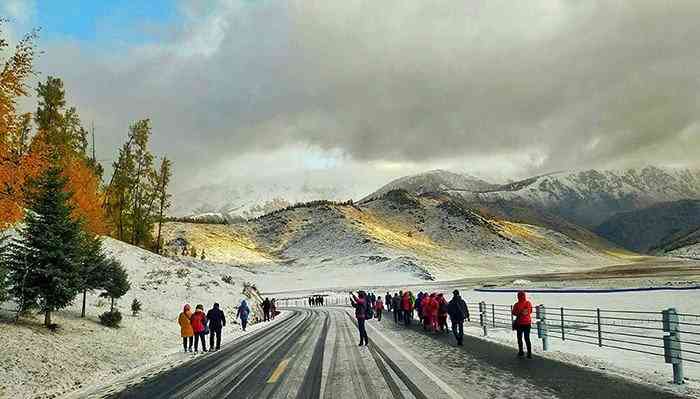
(313, 353)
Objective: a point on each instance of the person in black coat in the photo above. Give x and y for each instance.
(266, 305)
(217, 320)
(458, 311)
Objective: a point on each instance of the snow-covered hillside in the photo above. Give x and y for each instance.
(434, 181)
(689, 251)
(430, 236)
(590, 197)
(38, 363)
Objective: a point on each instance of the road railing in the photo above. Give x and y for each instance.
(666, 334)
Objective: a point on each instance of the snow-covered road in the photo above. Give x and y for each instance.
(313, 353)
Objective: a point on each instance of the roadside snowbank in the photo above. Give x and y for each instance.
(35, 362)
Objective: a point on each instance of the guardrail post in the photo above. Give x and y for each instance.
(600, 330)
(482, 315)
(563, 338)
(541, 314)
(672, 343)
(493, 315)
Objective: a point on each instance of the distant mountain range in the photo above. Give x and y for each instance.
(579, 204)
(427, 236)
(586, 198)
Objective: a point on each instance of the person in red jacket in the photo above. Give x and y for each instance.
(407, 308)
(425, 311)
(199, 325)
(522, 310)
(433, 307)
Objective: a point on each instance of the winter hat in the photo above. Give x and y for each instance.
(200, 307)
(216, 305)
(455, 292)
(187, 307)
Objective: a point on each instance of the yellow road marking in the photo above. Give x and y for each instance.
(278, 371)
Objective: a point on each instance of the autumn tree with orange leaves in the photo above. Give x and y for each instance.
(18, 162)
(24, 155)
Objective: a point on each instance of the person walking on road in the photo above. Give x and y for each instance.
(199, 325)
(360, 303)
(406, 308)
(266, 309)
(186, 331)
(217, 321)
(273, 308)
(387, 302)
(243, 313)
(379, 308)
(431, 312)
(419, 306)
(396, 307)
(442, 312)
(458, 311)
(522, 310)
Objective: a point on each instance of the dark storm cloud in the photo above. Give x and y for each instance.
(575, 84)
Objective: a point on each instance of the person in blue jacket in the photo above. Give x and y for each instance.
(243, 313)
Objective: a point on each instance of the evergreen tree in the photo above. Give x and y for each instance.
(142, 190)
(93, 264)
(163, 179)
(44, 262)
(116, 281)
(3, 267)
(132, 194)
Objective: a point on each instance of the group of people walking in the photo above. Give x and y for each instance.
(433, 311)
(269, 309)
(194, 326)
(316, 300)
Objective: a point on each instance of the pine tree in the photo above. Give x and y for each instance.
(45, 265)
(133, 190)
(93, 265)
(4, 257)
(142, 190)
(116, 281)
(163, 179)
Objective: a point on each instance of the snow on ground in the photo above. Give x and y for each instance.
(642, 368)
(35, 362)
(690, 251)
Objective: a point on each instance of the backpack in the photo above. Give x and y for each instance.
(369, 314)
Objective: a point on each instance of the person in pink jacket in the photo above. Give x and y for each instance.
(378, 308)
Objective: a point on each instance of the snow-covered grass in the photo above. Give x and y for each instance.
(35, 362)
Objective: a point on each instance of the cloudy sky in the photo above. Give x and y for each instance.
(368, 90)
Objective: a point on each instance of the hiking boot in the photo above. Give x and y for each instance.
(529, 355)
(521, 354)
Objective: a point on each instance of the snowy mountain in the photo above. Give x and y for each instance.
(434, 181)
(433, 235)
(588, 198)
(249, 200)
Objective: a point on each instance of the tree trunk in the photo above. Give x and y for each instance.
(160, 224)
(47, 318)
(82, 313)
(111, 310)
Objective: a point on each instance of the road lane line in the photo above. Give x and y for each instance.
(278, 371)
(440, 383)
